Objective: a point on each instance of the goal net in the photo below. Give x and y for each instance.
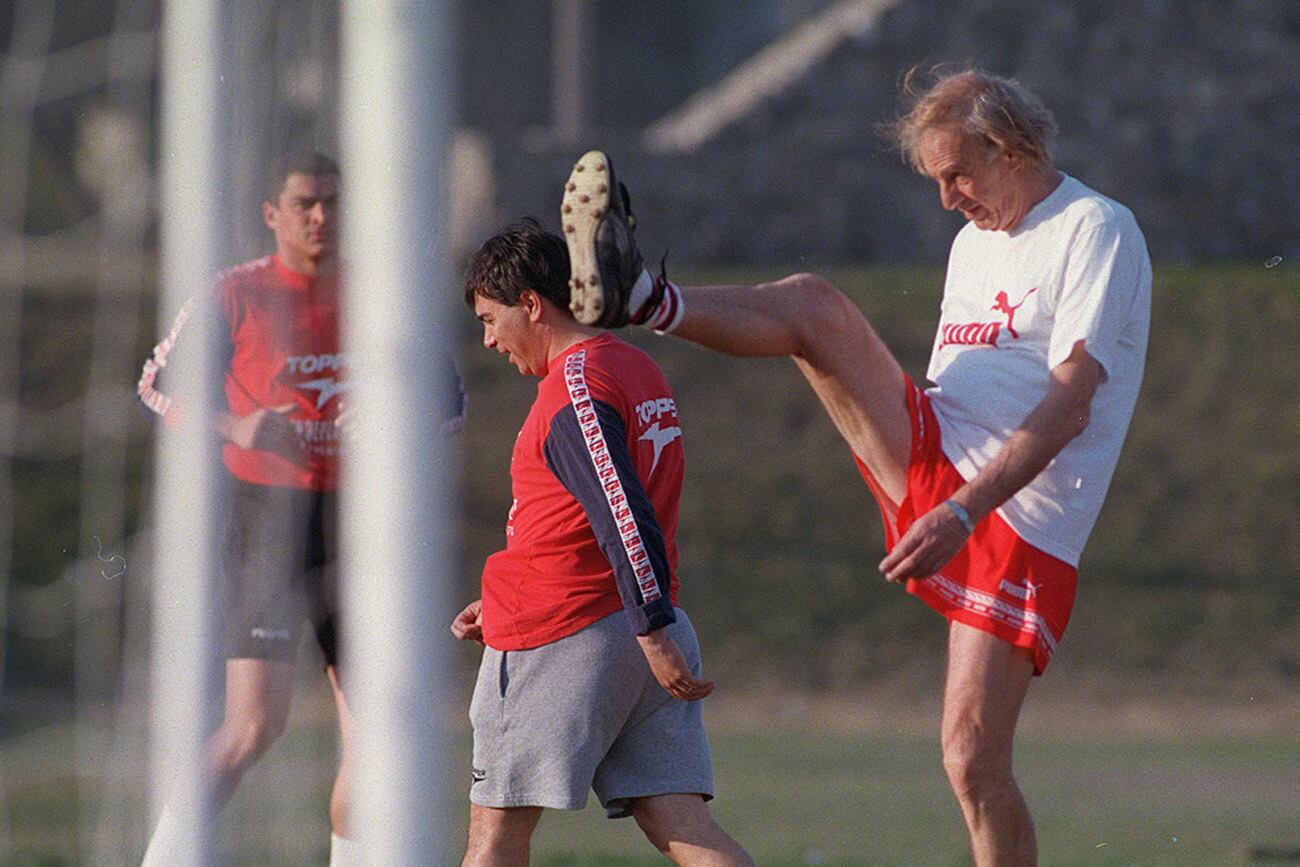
(136, 139)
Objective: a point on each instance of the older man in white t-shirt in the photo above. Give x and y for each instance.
(990, 481)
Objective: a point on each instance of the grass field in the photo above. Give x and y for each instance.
(794, 791)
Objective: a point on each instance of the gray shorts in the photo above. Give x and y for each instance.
(585, 713)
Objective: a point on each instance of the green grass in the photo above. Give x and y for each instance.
(855, 800)
(792, 798)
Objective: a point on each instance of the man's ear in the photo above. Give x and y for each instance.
(532, 304)
(268, 215)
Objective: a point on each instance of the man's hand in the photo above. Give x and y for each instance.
(926, 547)
(468, 625)
(670, 668)
(268, 429)
(1062, 415)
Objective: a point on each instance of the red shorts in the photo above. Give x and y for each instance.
(998, 582)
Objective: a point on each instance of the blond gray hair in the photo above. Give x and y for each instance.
(999, 112)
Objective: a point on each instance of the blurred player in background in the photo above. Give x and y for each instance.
(284, 377)
(590, 676)
(989, 482)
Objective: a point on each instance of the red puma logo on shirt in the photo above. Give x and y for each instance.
(984, 333)
(1003, 304)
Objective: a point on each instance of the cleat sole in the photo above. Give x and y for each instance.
(586, 198)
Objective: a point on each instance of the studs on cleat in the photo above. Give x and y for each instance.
(603, 256)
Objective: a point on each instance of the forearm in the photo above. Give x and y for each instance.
(1046, 431)
(936, 537)
(1026, 454)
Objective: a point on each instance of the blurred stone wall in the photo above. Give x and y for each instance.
(1187, 111)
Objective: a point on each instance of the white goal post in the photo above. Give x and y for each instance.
(398, 504)
(399, 479)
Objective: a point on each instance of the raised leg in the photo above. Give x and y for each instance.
(849, 367)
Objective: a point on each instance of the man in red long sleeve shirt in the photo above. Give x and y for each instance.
(590, 674)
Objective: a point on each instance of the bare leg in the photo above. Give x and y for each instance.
(986, 686)
(849, 367)
(500, 838)
(258, 693)
(343, 782)
(682, 828)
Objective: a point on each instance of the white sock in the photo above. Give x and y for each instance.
(641, 290)
(668, 315)
(345, 852)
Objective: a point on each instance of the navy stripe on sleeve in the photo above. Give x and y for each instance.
(586, 449)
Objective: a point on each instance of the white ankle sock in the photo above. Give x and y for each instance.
(668, 315)
(641, 290)
(664, 317)
(345, 852)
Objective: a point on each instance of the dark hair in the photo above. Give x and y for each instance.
(521, 256)
(312, 163)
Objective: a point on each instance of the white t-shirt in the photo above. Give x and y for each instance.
(1014, 305)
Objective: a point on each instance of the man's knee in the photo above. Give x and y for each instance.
(256, 732)
(653, 823)
(821, 298)
(975, 768)
(824, 310)
(667, 817)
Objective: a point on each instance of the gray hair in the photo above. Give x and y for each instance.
(999, 112)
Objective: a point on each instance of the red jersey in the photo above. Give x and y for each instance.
(596, 475)
(281, 336)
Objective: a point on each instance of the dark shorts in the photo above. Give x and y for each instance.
(998, 582)
(279, 572)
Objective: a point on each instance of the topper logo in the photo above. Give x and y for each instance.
(315, 363)
(658, 408)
